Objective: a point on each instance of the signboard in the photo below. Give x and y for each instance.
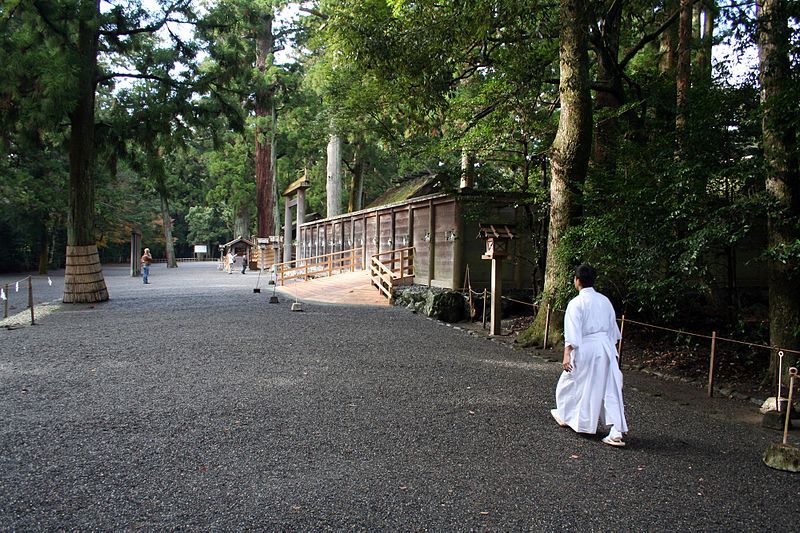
(200, 249)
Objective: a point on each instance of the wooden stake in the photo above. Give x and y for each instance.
(621, 332)
(30, 298)
(546, 326)
(484, 308)
(792, 374)
(711, 364)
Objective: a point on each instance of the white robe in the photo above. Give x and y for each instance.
(593, 390)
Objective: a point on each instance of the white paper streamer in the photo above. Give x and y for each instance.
(16, 286)
(2, 294)
(49, 281)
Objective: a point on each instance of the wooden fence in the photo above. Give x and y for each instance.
(319, 265)
(392, 268)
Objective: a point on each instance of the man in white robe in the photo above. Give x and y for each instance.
(590, 388)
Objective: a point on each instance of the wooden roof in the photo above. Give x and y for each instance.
(239, 240)
(498, 231)
(411, 188)
(301, 183)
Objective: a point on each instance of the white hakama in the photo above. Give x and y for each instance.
(592, 391)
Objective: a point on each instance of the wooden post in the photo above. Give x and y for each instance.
(431, 242)
(495, 327)
(546, 325)
(5, 302)
(287, 230)
(30, 298)
(136, 254)
(484, 308)
(711, 364)
(621, 332)
(792, 374)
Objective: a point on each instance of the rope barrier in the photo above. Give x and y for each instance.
(662, 328)
(710, 337)
(520, 302)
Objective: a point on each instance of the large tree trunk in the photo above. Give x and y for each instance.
(467, 169)
(169, 246)
(569, 159)
(265, 126)
(83, 278)
(44, 241)
(334, 172)
(782, 176)
(610, 95)
(683, 74)
(704, 50)
(357, 187)
(668, 42)
(241, 224)
(273, 165)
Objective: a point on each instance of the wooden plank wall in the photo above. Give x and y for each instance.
(398, 226)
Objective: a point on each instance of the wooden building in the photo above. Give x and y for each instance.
(442, 227)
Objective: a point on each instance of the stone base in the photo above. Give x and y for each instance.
(782, 457)
(775, 420)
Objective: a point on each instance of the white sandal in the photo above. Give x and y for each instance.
(614, 441)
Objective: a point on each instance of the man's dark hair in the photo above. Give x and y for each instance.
(586, 274)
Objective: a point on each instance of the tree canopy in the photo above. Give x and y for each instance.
(199, 115)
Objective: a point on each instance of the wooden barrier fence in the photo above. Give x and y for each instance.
(392, 268)
(319, 265)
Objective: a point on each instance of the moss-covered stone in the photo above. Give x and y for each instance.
(782, 457)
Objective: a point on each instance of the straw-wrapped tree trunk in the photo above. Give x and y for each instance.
(83, 278)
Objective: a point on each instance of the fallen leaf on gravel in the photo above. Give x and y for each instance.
(484, 513)
(573, 456)
(403, 487)
(472, 412)
(296, 508)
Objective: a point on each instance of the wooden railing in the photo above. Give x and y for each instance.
(319, 265)
(392, 268)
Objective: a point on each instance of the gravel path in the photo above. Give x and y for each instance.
(193, 403)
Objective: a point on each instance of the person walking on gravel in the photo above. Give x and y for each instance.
(590, 387)
(146, 260)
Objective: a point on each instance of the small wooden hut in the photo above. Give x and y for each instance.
(238, 246)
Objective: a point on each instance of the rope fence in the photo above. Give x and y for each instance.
(713, 338)
(6, 294)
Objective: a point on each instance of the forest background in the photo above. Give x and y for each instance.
(639, 146)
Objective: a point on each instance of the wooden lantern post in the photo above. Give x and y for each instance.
(497, 237)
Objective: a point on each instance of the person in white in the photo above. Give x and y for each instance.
(590, 387)
(230, 262)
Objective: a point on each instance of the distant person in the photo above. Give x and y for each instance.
(590, 387)
(244, 263)
(146, 261)
(230, 262)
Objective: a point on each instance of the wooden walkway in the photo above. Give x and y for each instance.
(351, 288)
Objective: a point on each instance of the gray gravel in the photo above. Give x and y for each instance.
(193, 403)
